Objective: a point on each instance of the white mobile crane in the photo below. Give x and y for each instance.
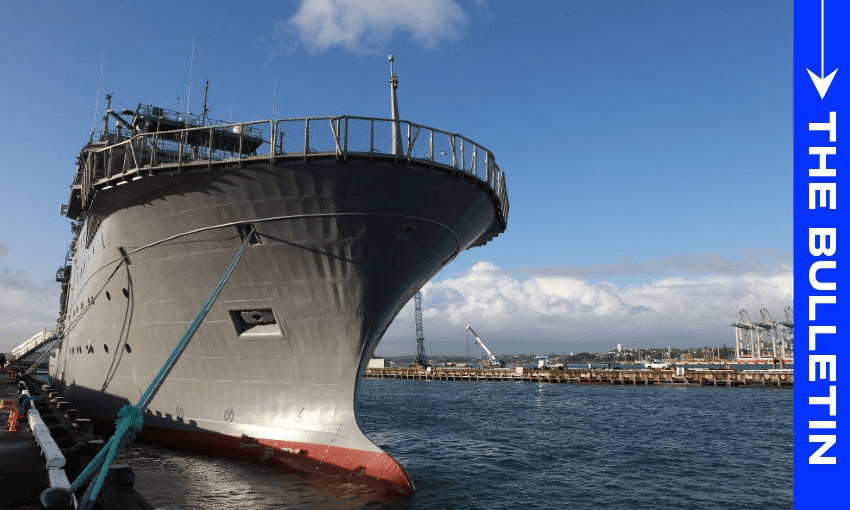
(494, 363)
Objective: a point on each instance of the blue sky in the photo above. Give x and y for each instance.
(647, 145)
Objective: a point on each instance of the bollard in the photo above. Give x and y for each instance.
(121, 474)
(83, 425)
(57, 498)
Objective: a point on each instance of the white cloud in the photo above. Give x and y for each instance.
(25, 307)
(367, 25)
(541, 313)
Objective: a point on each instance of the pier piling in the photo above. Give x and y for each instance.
(763, 378)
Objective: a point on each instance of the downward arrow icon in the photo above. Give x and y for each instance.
(821, 83)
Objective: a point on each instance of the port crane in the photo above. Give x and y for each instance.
(490, 357)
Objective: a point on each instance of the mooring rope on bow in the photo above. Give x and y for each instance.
(131, 417)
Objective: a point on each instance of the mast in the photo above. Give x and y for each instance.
(106, 116)
(394, 106)
(204, 111)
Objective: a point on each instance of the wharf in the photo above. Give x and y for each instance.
(764, 378)
(23, 475)
(62, 445)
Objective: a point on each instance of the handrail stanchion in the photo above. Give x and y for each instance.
(306, 138)
(346, 137)
(371, 138)
(462, 154)
(272, 141)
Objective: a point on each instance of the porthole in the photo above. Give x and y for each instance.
(127, 348)
(404, 233)
(126, 293)
(108, 297)
(106, 348)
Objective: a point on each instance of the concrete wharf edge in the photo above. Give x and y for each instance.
(23, 475)
(758, 378)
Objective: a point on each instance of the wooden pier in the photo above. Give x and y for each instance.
(764, 378)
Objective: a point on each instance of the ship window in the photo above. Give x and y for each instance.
(106, 348)
(126, 293)
(108, 297)
(127, 348)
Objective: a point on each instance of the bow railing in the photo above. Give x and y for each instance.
(148, 153)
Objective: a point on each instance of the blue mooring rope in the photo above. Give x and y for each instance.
(131, 417)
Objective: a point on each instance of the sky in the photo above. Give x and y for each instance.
(646, 145)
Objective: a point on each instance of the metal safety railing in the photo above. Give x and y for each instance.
(342, 137)
(34, 343)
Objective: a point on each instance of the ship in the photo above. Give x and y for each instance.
(345, 217)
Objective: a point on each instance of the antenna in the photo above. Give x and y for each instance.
(394, 106)
(191, 63)
(97, 98)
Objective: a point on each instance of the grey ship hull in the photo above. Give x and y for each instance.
(343, 246)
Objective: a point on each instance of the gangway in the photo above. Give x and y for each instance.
(35, 342)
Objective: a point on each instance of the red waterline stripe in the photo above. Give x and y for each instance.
(378, 469)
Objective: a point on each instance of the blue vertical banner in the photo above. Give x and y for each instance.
(821, 288)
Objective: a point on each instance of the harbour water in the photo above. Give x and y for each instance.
(508, 445)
